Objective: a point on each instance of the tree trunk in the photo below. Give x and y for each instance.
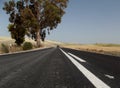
(38, 39)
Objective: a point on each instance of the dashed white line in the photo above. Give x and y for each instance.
(90, 76)
(81, 60)
(109, 76)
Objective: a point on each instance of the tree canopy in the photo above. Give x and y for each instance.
(33, 18)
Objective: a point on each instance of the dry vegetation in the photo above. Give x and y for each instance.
(10, 45)
(111, 49)
(14, 48)
(6, 41)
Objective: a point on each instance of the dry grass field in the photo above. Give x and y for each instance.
(8, 42)
(5, 40)
(111, 49)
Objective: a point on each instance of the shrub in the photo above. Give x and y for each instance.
(4, 48)
(27, 46)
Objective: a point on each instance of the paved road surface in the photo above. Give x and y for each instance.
(59, 68)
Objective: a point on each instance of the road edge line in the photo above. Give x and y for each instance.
(89, 75)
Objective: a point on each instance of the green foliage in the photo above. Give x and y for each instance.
(17, 33)
(27, 46)
(32, 17)
(16, 28)
(4, 48)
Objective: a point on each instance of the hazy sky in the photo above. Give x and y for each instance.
(85, 21)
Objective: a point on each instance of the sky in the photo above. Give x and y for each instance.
(85, 21)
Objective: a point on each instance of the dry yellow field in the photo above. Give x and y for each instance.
(8, 42)
(112, 50)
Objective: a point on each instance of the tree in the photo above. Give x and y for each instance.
(16, 27)
(36, 16)
(17, 33)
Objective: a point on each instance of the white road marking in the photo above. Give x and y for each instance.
(109, 76)
(81, 60)
(90, 76)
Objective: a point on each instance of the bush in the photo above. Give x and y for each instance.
(27, 46)
(4, 48)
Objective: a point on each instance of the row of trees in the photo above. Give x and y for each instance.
(33, 18)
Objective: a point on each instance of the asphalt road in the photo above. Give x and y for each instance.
(59, 68)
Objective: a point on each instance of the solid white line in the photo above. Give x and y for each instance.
(90, 76)
(81, 60)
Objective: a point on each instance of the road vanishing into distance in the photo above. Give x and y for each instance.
(59, 68)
